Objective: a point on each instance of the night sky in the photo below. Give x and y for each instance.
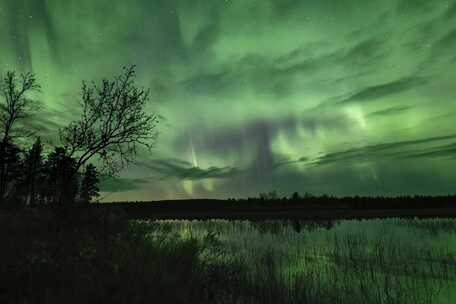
(339, 97)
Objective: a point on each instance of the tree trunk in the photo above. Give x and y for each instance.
(3, 170)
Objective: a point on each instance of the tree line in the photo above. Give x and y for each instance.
(112, 123)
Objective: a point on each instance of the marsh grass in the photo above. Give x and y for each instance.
(97, 257)
(374, 261)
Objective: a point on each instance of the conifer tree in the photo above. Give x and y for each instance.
(89, 187)
(10, 162)
(33, 170)
(61, 182)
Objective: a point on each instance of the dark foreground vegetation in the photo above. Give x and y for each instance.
(96, 256)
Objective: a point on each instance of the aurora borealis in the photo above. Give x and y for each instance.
(339, 97)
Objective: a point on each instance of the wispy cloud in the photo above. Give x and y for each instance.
(386, 89)
(182, 170)
(415, 6)
(447, 41)
(376, 152)
(390, 111)
(121, 184)
(446, 151)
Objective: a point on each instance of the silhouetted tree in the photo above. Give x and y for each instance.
(33, 171)
(61, 182)
(14, 106)
(89, 188)
(295, 196)
(11, 164)
(272, 195)
(114, 122)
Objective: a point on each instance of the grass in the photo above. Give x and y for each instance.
(374, 261)
(97, 257)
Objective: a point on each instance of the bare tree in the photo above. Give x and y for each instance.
(113, 123)
(15, 106)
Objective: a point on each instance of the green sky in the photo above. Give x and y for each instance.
(339, 97)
